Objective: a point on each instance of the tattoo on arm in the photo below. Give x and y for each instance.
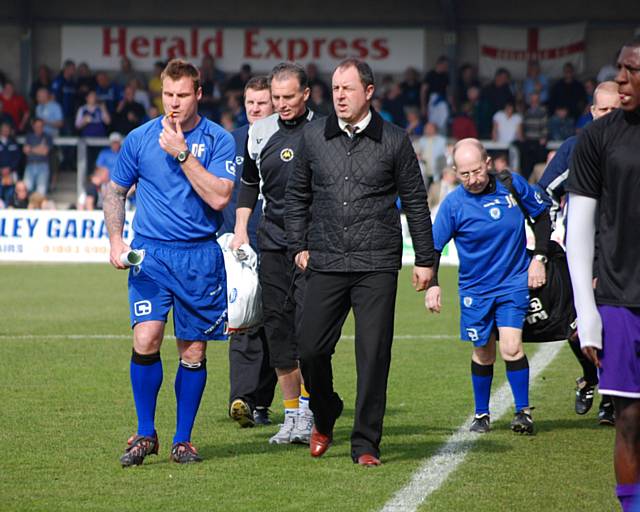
(113, 206)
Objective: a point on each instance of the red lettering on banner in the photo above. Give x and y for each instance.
(274, 48)
(335, 46)
(360, 46)
(194, 42)
(120, 40)
(317, 46)
(157, 45)
(249, 44)
(291, 49)
(217, 40)
(178, 49)
(140, 46)
(381, 46)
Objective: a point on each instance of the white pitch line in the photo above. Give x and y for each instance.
(128, 336)
(435, 470)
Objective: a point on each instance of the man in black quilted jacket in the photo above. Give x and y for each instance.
(343, 227)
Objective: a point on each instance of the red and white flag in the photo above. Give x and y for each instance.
(512, 48)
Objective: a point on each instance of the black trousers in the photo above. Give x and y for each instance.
(328, 298)
(282, 297)
(250, 374)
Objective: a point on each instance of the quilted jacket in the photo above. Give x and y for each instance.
(341, 198)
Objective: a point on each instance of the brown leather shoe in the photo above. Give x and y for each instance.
(319, 443)
(368, 461)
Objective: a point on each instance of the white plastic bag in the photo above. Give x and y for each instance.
(244, 295)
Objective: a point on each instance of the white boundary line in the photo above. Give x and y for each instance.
(433, 472)
(74, 337)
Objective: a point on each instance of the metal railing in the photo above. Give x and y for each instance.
(82, 143)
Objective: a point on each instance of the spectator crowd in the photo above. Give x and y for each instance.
(520, 117)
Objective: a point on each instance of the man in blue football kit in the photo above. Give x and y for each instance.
(183, 167)
(494, 275)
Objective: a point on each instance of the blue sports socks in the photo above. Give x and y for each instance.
(189, 386)
(481, 378)
(518, 377)
(146, 378)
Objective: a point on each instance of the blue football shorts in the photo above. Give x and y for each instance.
(187, 276)
(479, 317)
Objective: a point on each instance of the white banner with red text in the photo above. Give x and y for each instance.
(102, 46)
(512, 48)
(56, 236)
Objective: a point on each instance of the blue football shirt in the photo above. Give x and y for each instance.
(490, 238)
(167, 206)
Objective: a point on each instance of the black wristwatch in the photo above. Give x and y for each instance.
(182, 156)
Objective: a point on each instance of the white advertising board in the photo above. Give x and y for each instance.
(56, 236)
(102, 46)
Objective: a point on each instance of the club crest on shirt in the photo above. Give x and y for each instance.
(538, 197)
(467, 301)
(286, 155)
(239, 159)
(495, 213)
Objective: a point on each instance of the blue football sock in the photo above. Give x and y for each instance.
(518, 377)
(189, 386)
(481, 378)
(146, 379)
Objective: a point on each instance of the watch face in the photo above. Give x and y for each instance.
(182, 156)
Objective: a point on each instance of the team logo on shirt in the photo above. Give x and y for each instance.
(467, 301)
(286, 155)
(230, 166)
(495, 213)
(239, 160)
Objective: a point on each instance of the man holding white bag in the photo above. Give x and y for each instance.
(252, 381)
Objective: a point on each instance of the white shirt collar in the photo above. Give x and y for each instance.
(360, 125)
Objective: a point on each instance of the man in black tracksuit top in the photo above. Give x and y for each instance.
(344, 228)
(272, 150)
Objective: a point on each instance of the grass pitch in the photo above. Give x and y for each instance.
(66, 412)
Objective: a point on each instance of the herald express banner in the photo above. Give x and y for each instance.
(60, 236)
(102, 46)
(512, 48)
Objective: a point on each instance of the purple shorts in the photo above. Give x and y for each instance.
(620, 357)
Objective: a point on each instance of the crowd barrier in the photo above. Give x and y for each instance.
(83, 143)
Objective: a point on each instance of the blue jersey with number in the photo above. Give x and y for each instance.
(490, 238)
(167, 206)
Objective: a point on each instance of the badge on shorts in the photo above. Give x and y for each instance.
(495, 213)
(142, 308)
(467, 301)
(286, 155)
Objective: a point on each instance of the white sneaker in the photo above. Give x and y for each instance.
(302, 431)
(283, 436)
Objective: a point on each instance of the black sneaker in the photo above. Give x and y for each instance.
(138, 448)
(184, 453)
(261, 416)
(240, 412)
(481, 424)
(584, 396)
(606, 413)
(522, 422)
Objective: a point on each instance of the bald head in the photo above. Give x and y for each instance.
(468, 147)
(605, 99)
(471, 163)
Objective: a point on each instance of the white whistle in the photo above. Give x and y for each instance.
(132, 258)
